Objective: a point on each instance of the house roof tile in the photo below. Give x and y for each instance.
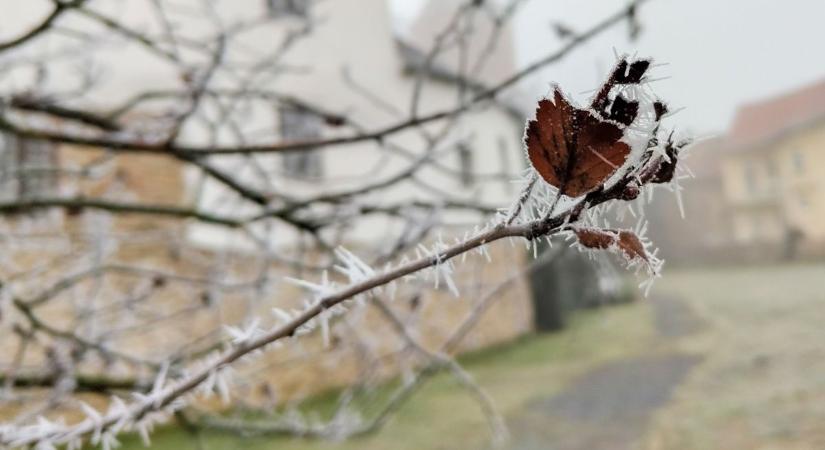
(766, 119)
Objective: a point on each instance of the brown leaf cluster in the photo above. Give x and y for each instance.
(601, 239)
(571, 148)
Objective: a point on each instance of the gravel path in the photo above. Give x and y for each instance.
(609, 406)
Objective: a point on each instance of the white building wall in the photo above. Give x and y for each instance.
(355, 36)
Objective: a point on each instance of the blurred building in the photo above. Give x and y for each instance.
(353, 65)
(758, 191)
(773, 172)
(365, 69)
(704, 232)
(344, 57)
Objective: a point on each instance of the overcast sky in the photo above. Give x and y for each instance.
(720, 53)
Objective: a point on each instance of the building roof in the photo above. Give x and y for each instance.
(766, 120)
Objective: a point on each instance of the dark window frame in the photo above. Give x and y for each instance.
(298, 8)
(296, 125)
(466, 164)
(29, 167)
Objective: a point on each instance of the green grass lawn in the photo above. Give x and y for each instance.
(442, 415)
(761, 383)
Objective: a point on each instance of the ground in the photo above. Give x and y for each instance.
(762, 382)
(729, 358)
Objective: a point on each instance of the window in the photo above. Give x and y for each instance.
(279, 8)
(798, 161)
(757, 228)
(27, 168)
(296, 125)
(770, 168)
(465, 161)
(750, 176)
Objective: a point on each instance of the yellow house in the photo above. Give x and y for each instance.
(773, 172)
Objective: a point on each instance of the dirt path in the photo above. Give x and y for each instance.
(609, 407)
(673, 317)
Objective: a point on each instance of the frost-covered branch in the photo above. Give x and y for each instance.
(147, 230)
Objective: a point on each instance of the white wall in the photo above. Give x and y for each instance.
(355, 35)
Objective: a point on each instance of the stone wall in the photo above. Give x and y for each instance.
(363, 344)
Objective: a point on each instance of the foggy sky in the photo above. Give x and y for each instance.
(719, 53)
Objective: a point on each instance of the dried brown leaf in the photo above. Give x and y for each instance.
(631, 245)
(601, 239)
(595, 238)
(571, 148)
